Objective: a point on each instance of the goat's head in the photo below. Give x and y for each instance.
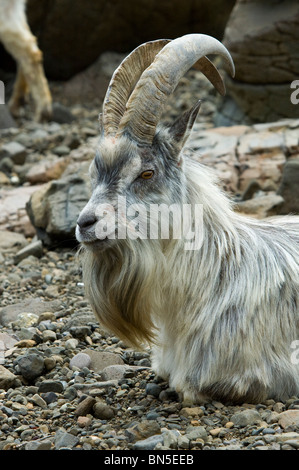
(136, 158)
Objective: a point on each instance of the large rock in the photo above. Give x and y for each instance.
(73, 34)
(54, 209)
(263, 40)
(35, 306)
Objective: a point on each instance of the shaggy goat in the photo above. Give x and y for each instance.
(222, 318)
(17, 38)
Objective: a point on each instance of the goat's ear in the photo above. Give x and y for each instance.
(181, 128)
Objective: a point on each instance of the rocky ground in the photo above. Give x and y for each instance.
(64, 382)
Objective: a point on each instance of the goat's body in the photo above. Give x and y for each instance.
(225, 315)
(222, 319)
(17, 38)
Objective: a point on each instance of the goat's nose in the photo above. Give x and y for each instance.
(86, 220)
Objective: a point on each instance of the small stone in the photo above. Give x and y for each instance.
(288, 418)
(153, 389)
(246, 418)
(40, 444)
(65, 439)
(70, 393)
(4, 179)
(15, 151)
(71, 343)
(278, 407)
(148, 444)
(229, 424)
(268, 431)
(7, 378)
(293, 443)
(11, 241)
(48, 278)
(30, 366)
(50, 363)
(49, 335)
(7, 340)
(25, 343)
(49, 397)
(196, 432)
(80, 332)
(61, 150)
(285, 436)
(85, 406)
(39, 401)
(80, 360)
(25, 320)
(102, 359)
(192, 412)
(84, 421)
(170, 438)
(46, 316)
(61, 114)
(103, 411)
(183, 442)
(117, 371)
(33, 249)
(215, 432)
(50, 386)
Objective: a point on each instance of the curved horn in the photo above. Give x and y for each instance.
(124, 80)
(159, 80)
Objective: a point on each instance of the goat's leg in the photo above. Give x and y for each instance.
(19, 93)
(22, 45)
(36, 81)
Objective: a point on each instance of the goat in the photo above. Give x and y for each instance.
(221, 319)
(19, 41)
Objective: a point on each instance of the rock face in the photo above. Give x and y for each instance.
(263, 40)
(73, 34)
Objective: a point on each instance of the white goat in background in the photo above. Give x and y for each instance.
(19, 41)
(222, 319)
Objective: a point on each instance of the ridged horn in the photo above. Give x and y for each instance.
(159, 80)
(123, 82)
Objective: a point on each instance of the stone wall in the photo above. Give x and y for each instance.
(263, 38)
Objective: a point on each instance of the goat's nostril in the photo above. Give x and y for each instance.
(86, 220)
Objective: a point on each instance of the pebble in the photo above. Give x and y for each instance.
(196, 432)
(246, 418)
(50, 386)
(80, 360)
(7, 378)
(65, 440)
(148, 444)
(288, 418)
(30, 366)
(103, 411)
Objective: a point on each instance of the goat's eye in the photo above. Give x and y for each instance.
(146, 175)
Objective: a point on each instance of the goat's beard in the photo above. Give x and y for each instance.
(123, 284)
